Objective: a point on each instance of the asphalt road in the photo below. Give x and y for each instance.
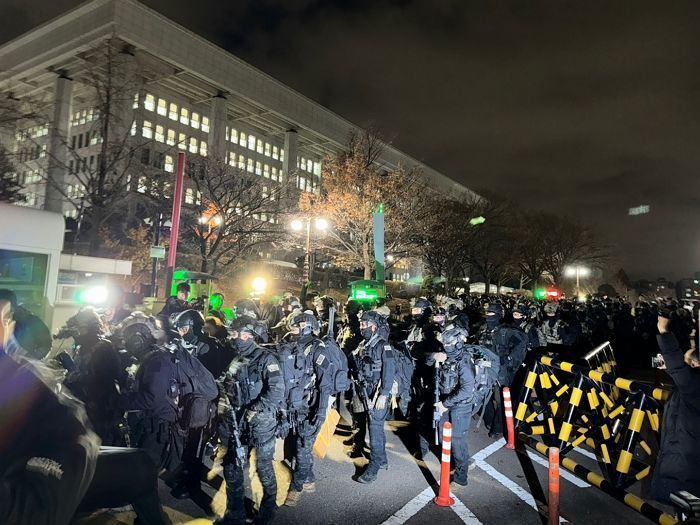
(504, 487)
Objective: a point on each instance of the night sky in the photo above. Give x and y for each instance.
(579, 108)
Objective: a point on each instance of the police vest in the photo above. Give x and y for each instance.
(551, 332)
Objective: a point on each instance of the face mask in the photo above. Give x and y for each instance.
(245, 348)
(492, 321)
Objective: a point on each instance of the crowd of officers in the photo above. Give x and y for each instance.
(182, 386)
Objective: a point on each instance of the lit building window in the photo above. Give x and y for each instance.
(205, 124)
(275, 153)
(135, 105)
(258, 168)
(203, 148)
(193, 145)
(260, 146)
(182, 141)
(142, 185)
(251, 166)
(231, 158)
(234, 135)
(162, 107)
(172, 115)
(160, 133)
(133, 129)
(194, 120)
(282, 154)
(241, 162)
(268, 149)
(198, 200)
(147, 130)
(251, 142)
(317, 168)
(266, 171)
(243, 139)
(185, 116)
(171, 137)
(274, 173)
(149, 102)
(189, 196)
(169, 165)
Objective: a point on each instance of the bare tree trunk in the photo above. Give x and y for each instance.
(366, 256)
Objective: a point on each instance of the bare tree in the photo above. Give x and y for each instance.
(568, 242)
(235, 214)
(355, 185)
(10, 187)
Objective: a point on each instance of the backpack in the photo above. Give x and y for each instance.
(486, 369)
(338, 361)
(297, 370)
(196, 392)
(404, 369)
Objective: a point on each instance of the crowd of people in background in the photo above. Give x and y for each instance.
(167, 393)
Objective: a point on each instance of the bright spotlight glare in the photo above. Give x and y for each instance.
(321, 224)
(297, 225)
(96, 295)
(570, 271)
(259, 285)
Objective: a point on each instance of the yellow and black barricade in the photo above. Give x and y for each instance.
(570, 405)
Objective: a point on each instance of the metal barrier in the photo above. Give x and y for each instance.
(570, 405)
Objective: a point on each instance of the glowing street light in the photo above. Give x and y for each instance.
(578, 272)
(320, 224)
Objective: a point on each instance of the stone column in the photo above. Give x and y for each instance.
(58, 144)
(291, 153)
(217, 129)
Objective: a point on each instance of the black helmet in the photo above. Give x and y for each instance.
(454, 336)
(139, 332)
(246, 307)
(86, 322)
(551, 308)
(496, 309)
(191, 319)
(244, 323)
(305, 321)
(421, 306)
(372, 317)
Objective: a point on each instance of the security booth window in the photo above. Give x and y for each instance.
(25, 274)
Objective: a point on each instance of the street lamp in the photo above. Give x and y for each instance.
(578, 271)
(298, 225)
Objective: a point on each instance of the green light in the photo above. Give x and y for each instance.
(540, 293)
(364, 295)
(216, 301)
(380, 208)
(477, 220)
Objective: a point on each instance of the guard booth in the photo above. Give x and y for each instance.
(30, 251)
(367, 291)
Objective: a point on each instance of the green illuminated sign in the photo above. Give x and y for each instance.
(477, 220)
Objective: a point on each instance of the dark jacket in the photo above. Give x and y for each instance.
(456, 378)
(31, 333)
(679, 454)
(47, 452)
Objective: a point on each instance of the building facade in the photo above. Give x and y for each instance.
(171, 91)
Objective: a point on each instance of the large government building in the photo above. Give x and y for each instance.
(190, 96)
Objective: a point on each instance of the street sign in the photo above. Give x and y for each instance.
(158, 252)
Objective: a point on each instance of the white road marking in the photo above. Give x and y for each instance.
(587, 453)
(466, 515)
(511, 485)
(487, 451)
(564, 473)
(411, 508)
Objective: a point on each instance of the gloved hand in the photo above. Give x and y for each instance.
(381, 403)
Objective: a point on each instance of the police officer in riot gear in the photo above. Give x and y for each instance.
(254, 388)
(521, 317)
(494, 316)
(376, 363)
(305, 362)
(456, 393)
(96, 374)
